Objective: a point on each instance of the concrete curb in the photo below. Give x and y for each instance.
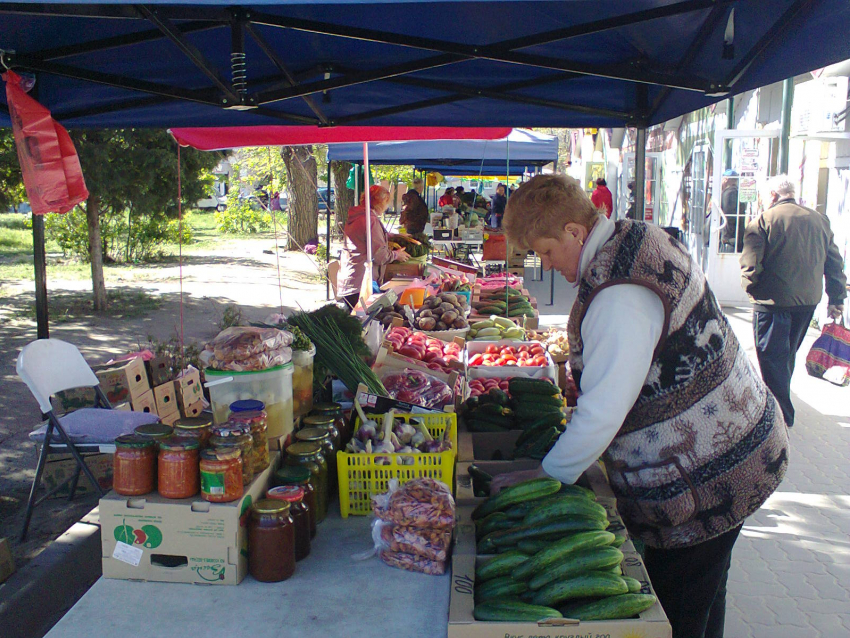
(37, 596)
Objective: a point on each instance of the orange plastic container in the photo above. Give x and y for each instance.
(412, 297)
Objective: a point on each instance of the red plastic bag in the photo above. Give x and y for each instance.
(49, 163)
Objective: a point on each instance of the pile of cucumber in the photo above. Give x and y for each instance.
(504, 302)
(495, 329)
(554, 557)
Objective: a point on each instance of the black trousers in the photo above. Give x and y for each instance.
(778, 336)
(691, 584)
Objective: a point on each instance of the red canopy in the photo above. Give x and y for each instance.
(214, 139)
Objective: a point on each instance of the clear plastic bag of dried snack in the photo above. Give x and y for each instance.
(422, 502)
(413, 563)
(238, 343)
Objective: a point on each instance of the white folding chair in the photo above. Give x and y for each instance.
(49, 366)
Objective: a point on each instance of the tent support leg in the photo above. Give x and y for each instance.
(640, 172)
(40, 267)
(328, 230)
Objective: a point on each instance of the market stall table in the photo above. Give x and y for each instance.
(330, 594)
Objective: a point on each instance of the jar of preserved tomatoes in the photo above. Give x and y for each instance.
(155, 432)
(310, 455)
(237, 437)
(257, 423)
(271, 541)
(342, 425)
(177, 468)
(221, 475)
(322, 436)
(196, 427)
(299, 476)
(294, 495)
(133, 465)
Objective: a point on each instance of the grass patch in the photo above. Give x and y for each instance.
(66, 307)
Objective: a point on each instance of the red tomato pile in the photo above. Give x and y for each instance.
(435, 354)
(524, 356)
(483, 386)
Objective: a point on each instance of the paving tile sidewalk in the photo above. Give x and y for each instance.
(790, 571)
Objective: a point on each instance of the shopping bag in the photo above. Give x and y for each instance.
(829, 358)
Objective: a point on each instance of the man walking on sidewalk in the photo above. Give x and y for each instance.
(788, 251)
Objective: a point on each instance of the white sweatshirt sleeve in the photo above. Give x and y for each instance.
(620, 331)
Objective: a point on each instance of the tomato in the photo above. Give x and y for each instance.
(523, 355)
(476, 360)
(508, 350)
(539, 360)
(522, 349)
(536, 350)
(492, 349)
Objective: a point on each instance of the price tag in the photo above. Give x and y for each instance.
(127, 554)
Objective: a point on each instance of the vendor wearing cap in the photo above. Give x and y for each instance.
(692, 440)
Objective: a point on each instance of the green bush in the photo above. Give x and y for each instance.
(242, 216)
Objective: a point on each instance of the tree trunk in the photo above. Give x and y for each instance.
(343, 196)
(301, 174)
(96, 253)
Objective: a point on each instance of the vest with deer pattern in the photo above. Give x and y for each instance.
(704, 444)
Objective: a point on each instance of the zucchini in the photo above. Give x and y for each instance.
(552, 531)
(520, 385)
(501, 565)
(598, 558)
(614, 607)
(560, 550)
(502, 587)
(565, 505)
(513, 611)
(634, 584)
(577, 490)
(531, 546)
(595, 584)
(527, 490)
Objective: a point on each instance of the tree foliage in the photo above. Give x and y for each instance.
(12, 190)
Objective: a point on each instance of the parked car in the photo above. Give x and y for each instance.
(218, 203)
(322, 194)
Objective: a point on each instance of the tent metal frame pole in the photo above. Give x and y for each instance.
(785, 125)
(640, 172)
(40, 271)
(328, 231)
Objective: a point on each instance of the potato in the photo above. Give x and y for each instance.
(446, 307)
(449, 317)
(459, 323)
(441, 326)
(448, 297)
(426, 323)
(426, 313)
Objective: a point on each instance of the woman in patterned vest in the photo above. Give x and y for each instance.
(692, 440)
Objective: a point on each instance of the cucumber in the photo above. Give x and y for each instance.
(499, 397)
(619, 541)
(531, 546)
(633, 583)
(493, 409)
(512, 611)
(486, 545)
(477, 473)
(598, 558)
(614, 607)
(565, 505)
(552, 531)
(479, 425)
(521, 311)
(577, 490)
(492, 523)
(502, 587)
(555, 400)
(593, 584)
(527, 490)
(501, 565)
(559, 551)
(527, 414)
(520, 385)
(540, 447)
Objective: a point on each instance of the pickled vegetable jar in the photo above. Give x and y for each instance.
(302, 380)
(271, 541)
(197, 427)
(300, 516)
(325, 422)
(177, 468)
(237, 437)
(341, 423)
(133, 465)
(323, 437)
(300, 476)
(310, 456)
(156, 432)
(257, 422)
(221, 475)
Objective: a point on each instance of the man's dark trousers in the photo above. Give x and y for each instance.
(778, 335)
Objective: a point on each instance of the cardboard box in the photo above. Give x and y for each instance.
(7, 563)
(144, 402)
(187, 389)
(123, 380)
(66, 401)
(169, 419)
(549, 371)
(124, 407)
(492, 446)
(178, 541)
(194, 409)
(164, 396)
(159, 371)
(403, 270)
(60, 467)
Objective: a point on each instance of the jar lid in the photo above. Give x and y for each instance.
(317, 419)
(193, 423)
(133, 441)
(321, 408)
(154, 430)
(220, 454)
(179, 443)
(312, 434)
(247, 405)
(288, 493)
(304, 449)
(231, 430)
(291, 474)
(246, 417)
(270, 506)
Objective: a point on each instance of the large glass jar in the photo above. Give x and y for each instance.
(302, 380)
(221, 475)
(177, 468)
(271, 541)
(196, 427)
(325, 422)
(310, 456)
(299, 476)
(300, 516)
(257, 422)
(322, 436)
(155, 432)
(335, 410)
(237, 437)
(133, 465)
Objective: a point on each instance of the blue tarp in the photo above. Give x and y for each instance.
(451, 63)
(473, 170)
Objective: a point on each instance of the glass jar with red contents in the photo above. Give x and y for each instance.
(196, 427)
(232, 436)
(271, 541)
(221, 475)
(178, 471)
(257, 422)
(298, 510)
(156, 432)
(299, 476)
(342, 425)
(133, 465)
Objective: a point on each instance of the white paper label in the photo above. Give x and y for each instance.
(127, 554)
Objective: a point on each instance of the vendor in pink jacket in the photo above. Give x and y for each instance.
(353, 262)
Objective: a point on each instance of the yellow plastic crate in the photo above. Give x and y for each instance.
(361, 476)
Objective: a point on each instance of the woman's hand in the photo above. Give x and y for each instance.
(400, 255)
(501, 481)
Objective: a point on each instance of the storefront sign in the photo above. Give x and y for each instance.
(747, 191)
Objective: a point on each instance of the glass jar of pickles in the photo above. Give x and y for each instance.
(310, 455)
(322, 436)
(335, 410)
(237, 437)
(299, 476)
(294, 495)
(133, 464)
(257, 422)
(221, 475)
(326, 422)
(196, 427)
(271, 541)
(178, 473)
